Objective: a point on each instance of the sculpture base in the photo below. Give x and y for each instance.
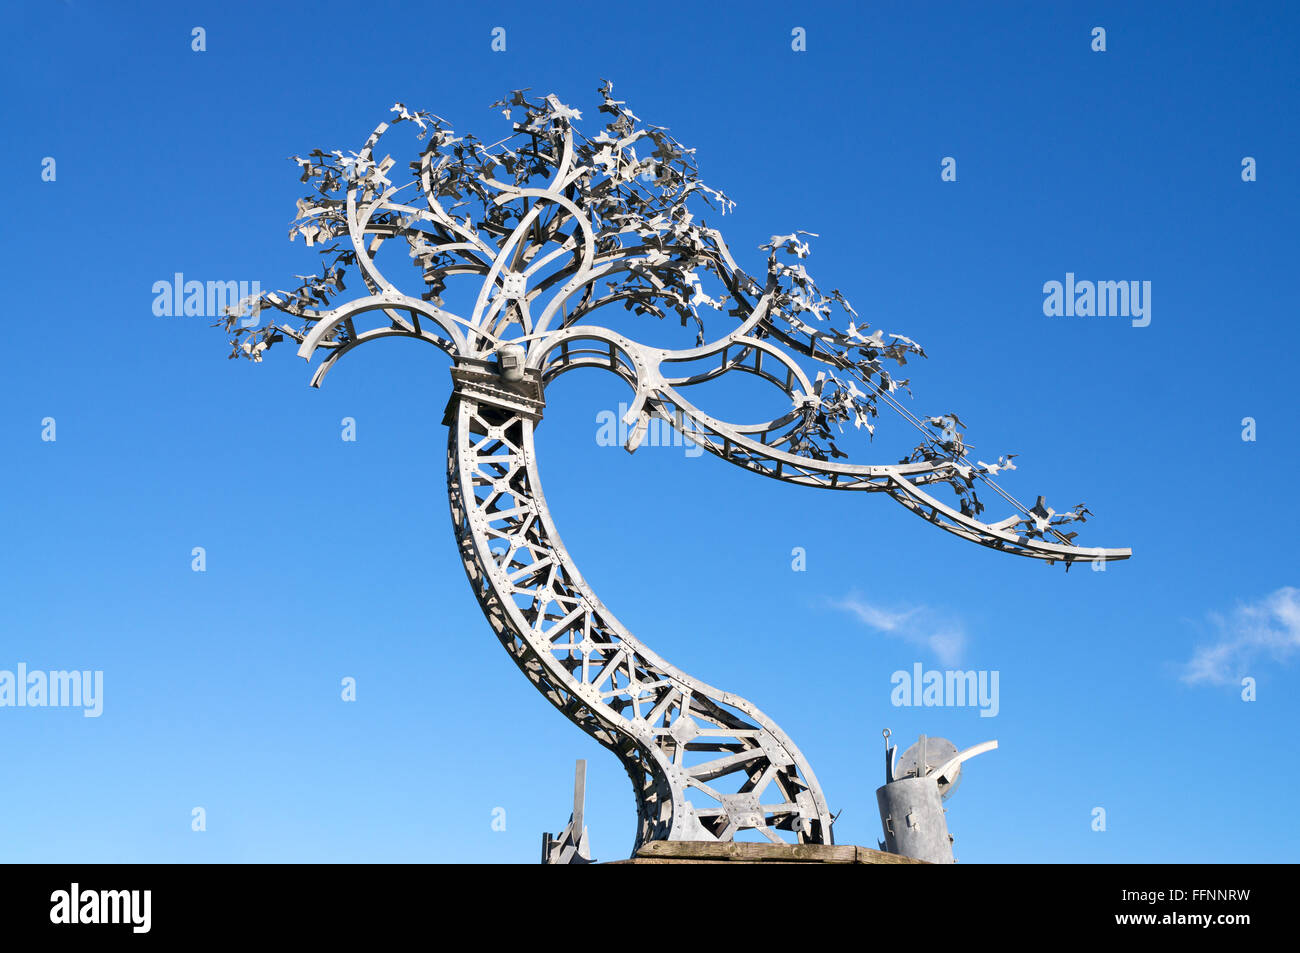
(713, 852)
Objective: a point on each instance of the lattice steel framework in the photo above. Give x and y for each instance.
(577, 224)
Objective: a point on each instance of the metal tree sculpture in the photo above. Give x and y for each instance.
(553, 227)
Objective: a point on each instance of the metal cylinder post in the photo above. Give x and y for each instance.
(912, 814)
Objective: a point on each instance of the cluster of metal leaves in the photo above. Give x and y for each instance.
(638, 187)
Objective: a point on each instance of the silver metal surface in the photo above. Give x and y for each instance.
(912, 814)
(571, 845)
(549, 227)
(911, 799)
(926, 755)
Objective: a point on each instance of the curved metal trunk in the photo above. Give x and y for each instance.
(704, 764)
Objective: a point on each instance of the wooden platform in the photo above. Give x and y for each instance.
(712, 852)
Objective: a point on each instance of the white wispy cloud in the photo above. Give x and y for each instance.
(919, 625)
(1267, 630)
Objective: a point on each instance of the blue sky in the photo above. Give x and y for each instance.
(329, 559)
